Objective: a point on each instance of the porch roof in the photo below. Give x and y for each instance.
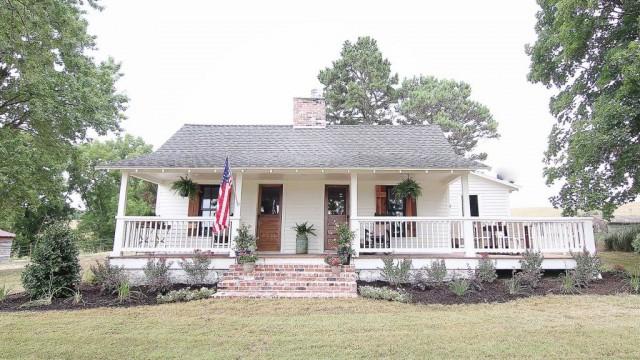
(283, 146)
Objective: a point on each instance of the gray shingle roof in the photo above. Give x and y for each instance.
(282, 146)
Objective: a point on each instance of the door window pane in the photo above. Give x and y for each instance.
(395, 206)
(336, 201)
(270, 201)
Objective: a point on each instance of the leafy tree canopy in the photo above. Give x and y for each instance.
(428, 100)
(52, 95)
(359, 86)
(590, 52)
(100, 188)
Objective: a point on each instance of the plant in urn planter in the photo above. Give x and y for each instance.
(335, 263)
(245, 246)
(345, 239)
(302, 236)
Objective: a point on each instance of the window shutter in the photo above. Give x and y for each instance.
(381, 200)
(410, 207)
(194, 204)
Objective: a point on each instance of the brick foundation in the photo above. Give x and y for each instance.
(288, 281)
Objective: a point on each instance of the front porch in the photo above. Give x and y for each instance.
(272, 202)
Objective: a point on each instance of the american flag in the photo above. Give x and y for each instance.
(224, 197)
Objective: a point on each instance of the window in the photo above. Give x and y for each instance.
(395, 206)
(208, 200)
(473, 205)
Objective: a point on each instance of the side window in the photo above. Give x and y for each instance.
(473, 204)
(208, 200)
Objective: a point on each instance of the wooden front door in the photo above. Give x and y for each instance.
(336, 210)
(269, 217)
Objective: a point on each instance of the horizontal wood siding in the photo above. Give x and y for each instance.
(493, 198)
(5, 249)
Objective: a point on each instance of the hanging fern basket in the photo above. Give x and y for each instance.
(408, 188)
(185, 187)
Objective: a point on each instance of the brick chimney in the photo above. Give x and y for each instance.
(309, 112)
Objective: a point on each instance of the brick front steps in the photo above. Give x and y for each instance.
(289, 281)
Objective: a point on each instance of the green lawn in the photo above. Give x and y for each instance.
(629, 260)
(544, 327)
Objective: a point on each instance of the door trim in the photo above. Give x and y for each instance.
(260, 187)
(325, 243)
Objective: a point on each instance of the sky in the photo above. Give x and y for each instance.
(242, 62)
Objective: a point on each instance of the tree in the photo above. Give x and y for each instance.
(590, 52)
(100, 189)
(359, 87)
(52, 95)
(427, 100)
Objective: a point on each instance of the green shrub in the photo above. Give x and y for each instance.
(437, 272)
(514, 285)
(384, 293)
(486, 271)
(245, 242)
(54, 266)
(183, 295)
(107, 276)
(196, 269)
(124, 291)
(622, 240)
(156, 274)
(633, 280)
(531, 266)
(636, 244)
(396, 274)
(588, 267)
(459, 286)
(568, 284)
(4, 292)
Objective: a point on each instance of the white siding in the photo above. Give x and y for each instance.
(493, 197)
(168, 203)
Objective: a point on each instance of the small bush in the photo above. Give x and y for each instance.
(436, 272)
(636, 244)
(568, 284)
(459, 286)
(531, 266)
(633, 279)
(486, 271)
(197, 269)
(396, 274)
(107, 276)
(88, 277)
(622, 240)
(183, 295)
(514, 285)
(124, 291)
(588, 267)
(156, 274)
(4, 292)
(54, 266)
(384, 293)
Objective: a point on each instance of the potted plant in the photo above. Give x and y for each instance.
(345, 239)
(407, 188)
(248, 262)
(302, 236)
(185, 187)
(245, 246)
(335, 262)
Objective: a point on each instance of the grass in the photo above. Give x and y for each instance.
(629, 260)
(544, 327)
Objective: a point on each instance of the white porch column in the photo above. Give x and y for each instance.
(589, 240)
(469, 246)
(235, 219)
(354, 223)
(122, 208)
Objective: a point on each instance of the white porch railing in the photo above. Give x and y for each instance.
(472, 235)
(171, 235)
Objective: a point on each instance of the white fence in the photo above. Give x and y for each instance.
(476, 235)
(184, 235)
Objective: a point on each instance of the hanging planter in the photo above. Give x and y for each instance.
(185, 187)
(408, 188)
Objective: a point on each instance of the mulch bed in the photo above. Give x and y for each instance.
(496, 292)
(91, 298)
